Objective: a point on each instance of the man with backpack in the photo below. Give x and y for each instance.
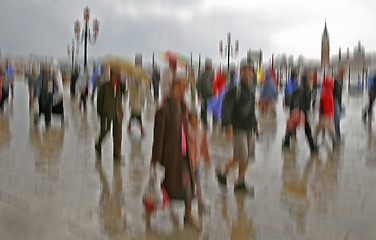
(239, 118)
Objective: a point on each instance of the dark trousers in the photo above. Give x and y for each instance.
(73, 87)
(368, 109)
(204, 114)
(116, 133)
(45, 107)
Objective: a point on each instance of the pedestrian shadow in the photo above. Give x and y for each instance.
(5, 132)
(47, 151)
(111, 201)
(314, 187)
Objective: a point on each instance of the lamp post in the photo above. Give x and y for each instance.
(86, 35)
(228, 50)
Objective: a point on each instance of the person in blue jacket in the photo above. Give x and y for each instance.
(291, 86)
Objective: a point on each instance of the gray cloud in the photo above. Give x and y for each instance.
(146, 26)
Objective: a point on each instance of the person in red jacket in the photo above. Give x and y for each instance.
(326, 109)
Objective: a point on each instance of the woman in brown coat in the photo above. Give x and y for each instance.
(170, 148)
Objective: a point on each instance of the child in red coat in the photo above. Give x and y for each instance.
(326, 111)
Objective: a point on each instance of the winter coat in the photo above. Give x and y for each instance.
(238, 108)
(326, 98)
(301, 98)
(269, 91)
(109, 104)
(167, 145)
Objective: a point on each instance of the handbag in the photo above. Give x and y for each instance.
(155, 195)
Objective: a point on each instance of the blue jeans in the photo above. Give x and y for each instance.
(337, 118)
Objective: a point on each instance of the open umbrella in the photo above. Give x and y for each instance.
(126, 66)
(181, 59)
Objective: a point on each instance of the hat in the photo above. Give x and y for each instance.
(244, 63)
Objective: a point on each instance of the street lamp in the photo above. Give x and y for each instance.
(86, 33)
(229, 51)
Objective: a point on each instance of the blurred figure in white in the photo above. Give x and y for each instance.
(137, 96)
(167, 77)
(83, 88)
(58, 92)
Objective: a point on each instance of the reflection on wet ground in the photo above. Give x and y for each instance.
(53, 187)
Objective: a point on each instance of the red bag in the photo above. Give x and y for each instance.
(150, 206)
(295, 118)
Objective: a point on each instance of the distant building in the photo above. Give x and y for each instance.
(325, 47)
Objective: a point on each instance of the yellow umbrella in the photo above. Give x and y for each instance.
(125, 66)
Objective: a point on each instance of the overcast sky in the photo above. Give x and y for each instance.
(143, 26)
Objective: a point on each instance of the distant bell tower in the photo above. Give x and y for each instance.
(325, 48)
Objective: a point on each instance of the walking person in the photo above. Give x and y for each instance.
(337, 98)
(95, 79)
(110, 111)
(240, 123)
(205, 89)
(31, 79)
(326, 110)
(83, 87)
(136, 102)
(3, 93)
(291, 86)
(74, 77)
(299, 107)
(171, 146)
(43, 91)
(367, 110)
(9, 76)
(198, 147)
(58, 93)
(168, 76)
(315, 87)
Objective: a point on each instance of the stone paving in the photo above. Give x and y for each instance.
(52, 186)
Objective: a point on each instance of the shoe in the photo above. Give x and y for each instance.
(240, 186)
(286, 144)
(193, 221)
(222, 179)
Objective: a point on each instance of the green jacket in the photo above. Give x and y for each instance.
(110, 105)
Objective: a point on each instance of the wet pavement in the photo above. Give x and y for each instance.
(52, 186)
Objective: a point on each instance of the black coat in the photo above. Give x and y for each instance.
(337, 91)
(301, 98)
(238, 108)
